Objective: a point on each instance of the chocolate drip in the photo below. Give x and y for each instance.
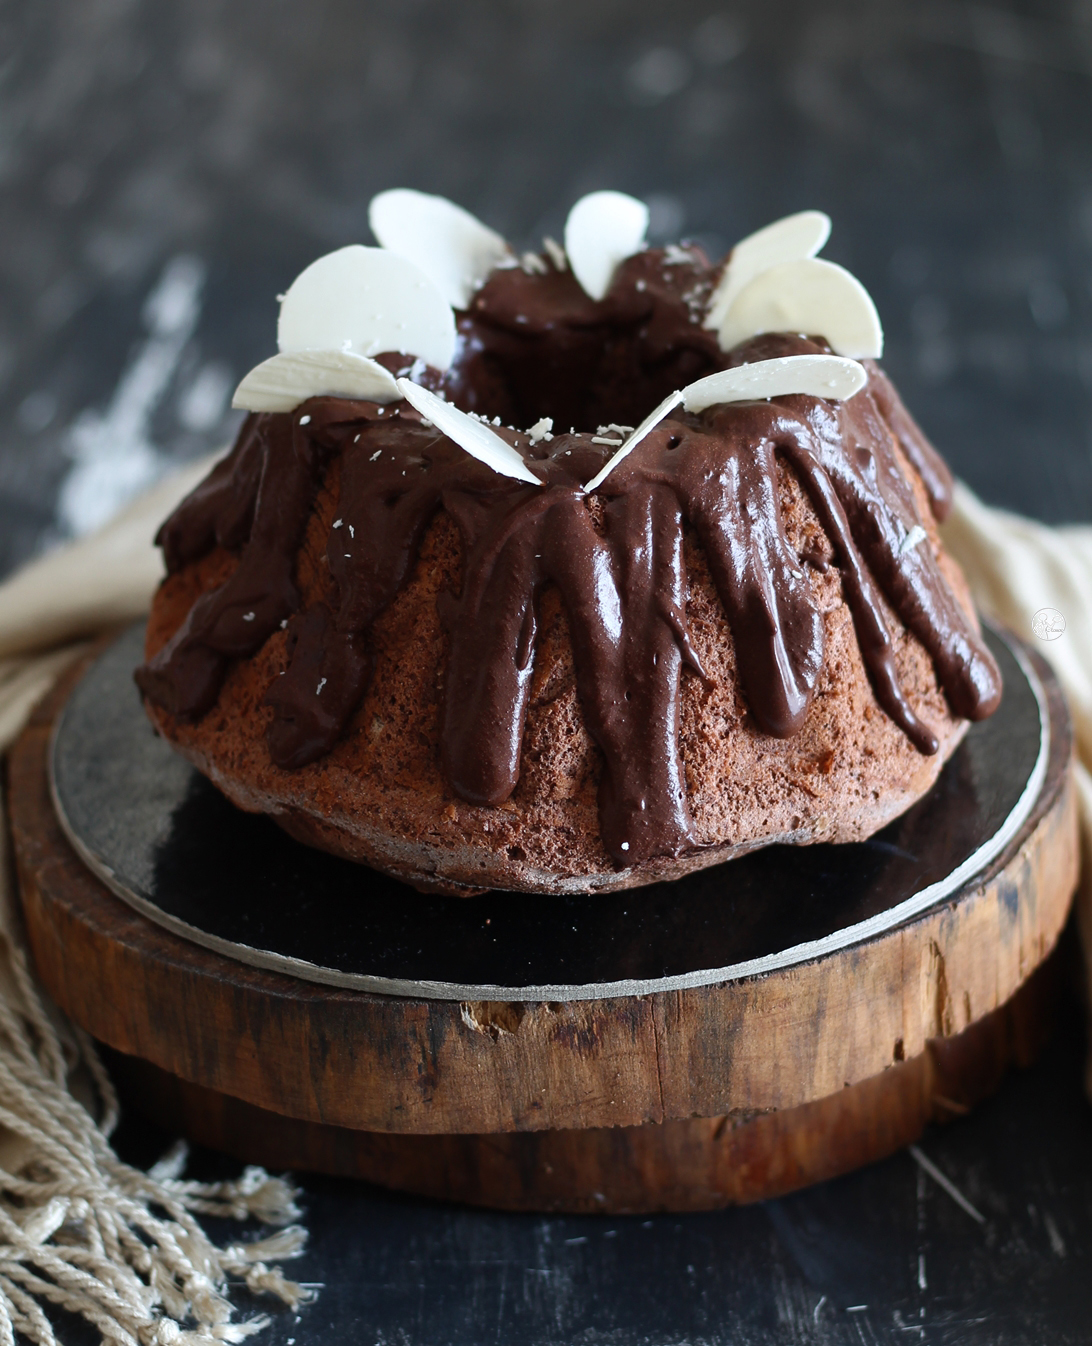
(624, 588)
(219, 512)
(393, 473)
(860, 460)
(327, 674)
(729, 485)
(873, 636)
(929, 465)
(237, 619)
(629, 667)
(492, 628)
(617, 559)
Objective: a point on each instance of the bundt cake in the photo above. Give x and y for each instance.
(698, 606)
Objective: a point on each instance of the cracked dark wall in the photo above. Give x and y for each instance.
(951, 143)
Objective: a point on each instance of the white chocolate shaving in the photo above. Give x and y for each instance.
(829, 376)
(470, 434)
(811, 297)
(913, 538)
(817, 375)
(603, 229)
(453, 248)
(650, 422)
(367, 301)
(282, 382)
(786, 240)
(556, 253)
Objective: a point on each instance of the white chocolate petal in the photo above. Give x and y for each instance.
(786, 240)
(817, 375)
(282, 382)
(473, 436)
(830, 376)
(367, 301)
(650, 422)
(456, 251)
(603, 229)
(811, 297)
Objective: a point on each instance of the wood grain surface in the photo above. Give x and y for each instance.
(702, 1163)
(384, 1064)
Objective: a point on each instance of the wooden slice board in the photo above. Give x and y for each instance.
(700, 1163)
(681, 1099)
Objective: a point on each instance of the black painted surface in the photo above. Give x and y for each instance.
(167, 836)
(952, 144)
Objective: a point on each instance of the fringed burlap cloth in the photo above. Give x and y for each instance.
(80, 1229)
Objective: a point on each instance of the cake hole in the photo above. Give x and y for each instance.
(607, 365)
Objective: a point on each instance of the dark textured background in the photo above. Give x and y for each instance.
(217, 147)
(167, 167)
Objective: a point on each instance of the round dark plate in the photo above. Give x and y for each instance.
(164, 839)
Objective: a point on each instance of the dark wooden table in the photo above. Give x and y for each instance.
(169, 165)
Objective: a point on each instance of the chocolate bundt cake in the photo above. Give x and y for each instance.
(567, 659)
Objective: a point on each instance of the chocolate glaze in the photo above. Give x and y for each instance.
(534, 345)
(258, 498)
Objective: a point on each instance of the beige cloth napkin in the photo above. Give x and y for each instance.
(1017, 567)
(48, 611)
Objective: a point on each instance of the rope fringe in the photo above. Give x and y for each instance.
(79, 1229)
(82, 1231)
